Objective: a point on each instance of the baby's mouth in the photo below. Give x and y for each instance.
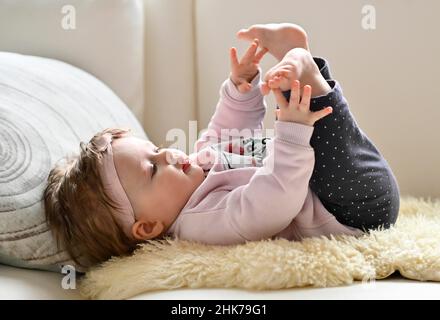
(186, 167)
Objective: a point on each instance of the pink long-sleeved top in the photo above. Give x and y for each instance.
(252, 203)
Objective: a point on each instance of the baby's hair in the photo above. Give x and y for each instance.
(78, 210)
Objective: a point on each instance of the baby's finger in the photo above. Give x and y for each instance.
(276, 69)
(281, 101)
(260, 55)
(276, 77)
(307, 94)
(272, 83)
(234, 58)
(250, 53)
(317, 115)
(276, 82)
(295, 93)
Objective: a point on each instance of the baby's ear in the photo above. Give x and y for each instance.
(146, 230)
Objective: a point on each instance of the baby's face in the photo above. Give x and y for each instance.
(157, 183)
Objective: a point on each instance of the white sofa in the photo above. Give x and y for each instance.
(167, 58)
(18, 283)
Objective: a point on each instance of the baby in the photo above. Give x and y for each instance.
(319, 174)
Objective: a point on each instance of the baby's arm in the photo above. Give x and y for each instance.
(275, 193)
(264, 206)
(241, 104)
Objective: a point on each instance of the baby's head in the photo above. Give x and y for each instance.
(119, 191)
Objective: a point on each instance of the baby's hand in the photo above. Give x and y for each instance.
(243, 71)
(280, 77)
(296, 110)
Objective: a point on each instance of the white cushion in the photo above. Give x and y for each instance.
(46, 108)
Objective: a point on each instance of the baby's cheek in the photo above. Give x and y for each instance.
(198, 175)
(178, 181)
(192, 180)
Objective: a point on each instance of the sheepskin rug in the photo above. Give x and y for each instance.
(412, 247)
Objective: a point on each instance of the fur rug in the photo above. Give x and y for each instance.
(412, 247)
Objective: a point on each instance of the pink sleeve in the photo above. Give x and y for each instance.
(266, 205)
(235, 111)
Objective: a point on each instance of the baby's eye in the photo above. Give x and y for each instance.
(158, 149)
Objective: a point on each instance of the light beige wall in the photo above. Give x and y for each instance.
(170, 96)
(390, 75)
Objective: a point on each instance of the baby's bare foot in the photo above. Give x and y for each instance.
(297, 64)
(278, 38)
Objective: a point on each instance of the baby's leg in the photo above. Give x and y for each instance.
(351, 177)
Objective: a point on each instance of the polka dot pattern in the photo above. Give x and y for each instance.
(352, 179)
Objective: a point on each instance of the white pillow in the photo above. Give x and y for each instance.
(46, 108)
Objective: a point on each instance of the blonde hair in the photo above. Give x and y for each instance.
(79, 212)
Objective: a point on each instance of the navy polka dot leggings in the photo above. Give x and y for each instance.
(351, 178)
